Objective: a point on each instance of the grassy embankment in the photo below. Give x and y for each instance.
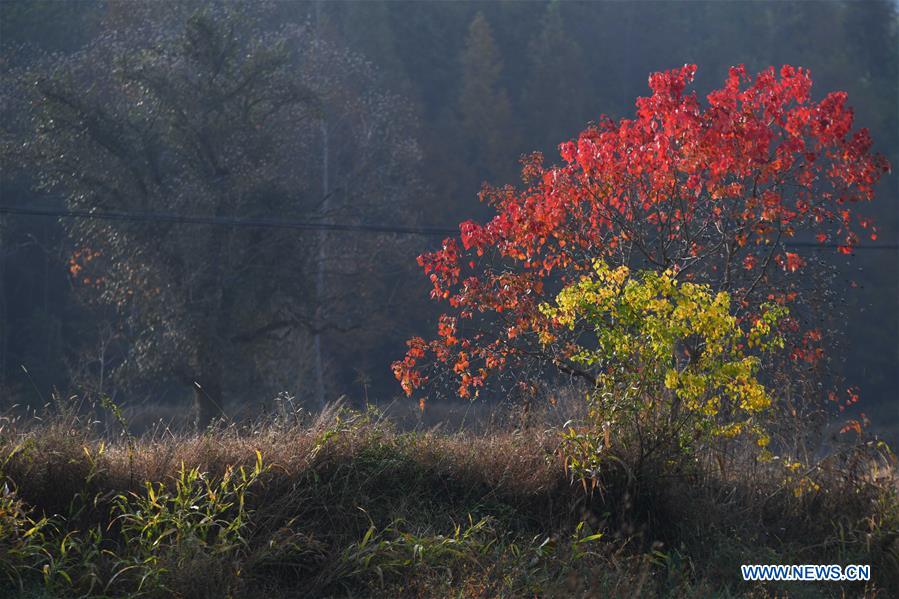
(346, 506)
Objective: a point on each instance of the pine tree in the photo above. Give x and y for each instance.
(555, 95)
(484, 107)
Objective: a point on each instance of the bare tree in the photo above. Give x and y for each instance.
(209, 115)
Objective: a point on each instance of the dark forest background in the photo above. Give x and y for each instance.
(424, 101)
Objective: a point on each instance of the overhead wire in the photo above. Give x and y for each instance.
(424, 231)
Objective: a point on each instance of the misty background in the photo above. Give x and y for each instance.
(359, 114)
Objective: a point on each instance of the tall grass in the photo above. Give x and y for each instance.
(344, 505)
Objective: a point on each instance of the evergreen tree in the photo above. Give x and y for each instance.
(484, 107)
(555, 95)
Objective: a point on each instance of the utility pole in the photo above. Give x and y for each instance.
(322, 247)
(4, 322)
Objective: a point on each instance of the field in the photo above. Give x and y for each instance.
(345, 505)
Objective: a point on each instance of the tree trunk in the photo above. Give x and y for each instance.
(208, 378)
(207, 399)
(212, 332)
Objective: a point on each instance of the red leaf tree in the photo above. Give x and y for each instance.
(717, 191)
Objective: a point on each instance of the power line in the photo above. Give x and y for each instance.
(309, 226)
(226, 221)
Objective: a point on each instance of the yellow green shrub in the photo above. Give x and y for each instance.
(670, 358)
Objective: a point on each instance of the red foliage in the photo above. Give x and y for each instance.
(713, 191)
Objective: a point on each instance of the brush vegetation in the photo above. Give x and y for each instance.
(346, 505)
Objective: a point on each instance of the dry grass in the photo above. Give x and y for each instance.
(348, 506)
